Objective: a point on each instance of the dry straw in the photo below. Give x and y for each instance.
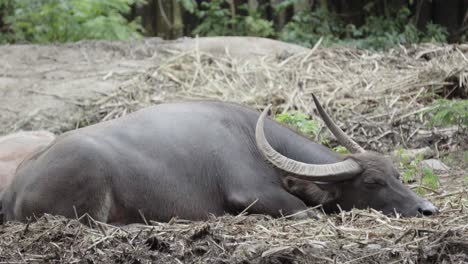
(358, 236)
(378, 98)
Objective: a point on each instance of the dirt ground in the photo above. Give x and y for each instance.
(60, 87)
(53, 80)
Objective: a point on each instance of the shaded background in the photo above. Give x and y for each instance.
(375, 24)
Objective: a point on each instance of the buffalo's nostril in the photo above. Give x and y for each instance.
(427, 209)
(425, 212)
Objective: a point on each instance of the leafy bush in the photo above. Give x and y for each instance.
(218, 20)
(434, 33)
(380, 32)
(449, 113)
(42, 21)
(306, 28)
(215, 19)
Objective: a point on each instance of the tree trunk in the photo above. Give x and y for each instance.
(148, 21)
(169, 24)
(301, 6)
(323, 4)
(253, 6)
(178, 29)
(352, 12)
(447, 14)
(232, 7)
(280, 18)
(422, 13)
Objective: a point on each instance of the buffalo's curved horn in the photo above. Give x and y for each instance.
(339, 171)
(341, 136)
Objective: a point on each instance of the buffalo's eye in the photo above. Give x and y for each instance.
(374, 182)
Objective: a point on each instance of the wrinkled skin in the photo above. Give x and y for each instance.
(189, 160)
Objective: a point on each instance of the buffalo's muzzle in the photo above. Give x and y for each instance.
(426, 208)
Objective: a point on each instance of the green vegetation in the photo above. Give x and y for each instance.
(300, 121)
(449, 113)
(218, 20)
(380, 32)
(307, 27)
(308, 127)
(43, 21)
(429, 178)
(414, 172)
(341, 149)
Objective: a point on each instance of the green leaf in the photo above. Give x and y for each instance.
(189, 5)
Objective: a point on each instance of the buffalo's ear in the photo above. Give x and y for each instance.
(312, 193)
(291, 183)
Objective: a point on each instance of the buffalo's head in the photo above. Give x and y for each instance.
(360, 180)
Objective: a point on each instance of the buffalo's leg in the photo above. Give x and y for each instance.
(64, 182)
(275, 202)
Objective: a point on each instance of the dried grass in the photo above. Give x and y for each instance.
(379, 96)
(358, 236)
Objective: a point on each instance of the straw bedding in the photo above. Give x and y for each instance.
(359, 236)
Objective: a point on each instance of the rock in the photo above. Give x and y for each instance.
(435, 165)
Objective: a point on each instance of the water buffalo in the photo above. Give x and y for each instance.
(193, 159)
(17, 146)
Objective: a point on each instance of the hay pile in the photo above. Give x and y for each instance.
(359, 236)
(378, 97)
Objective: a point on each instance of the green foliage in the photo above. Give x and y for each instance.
(412, 171)
(308, 127)
(43, 21)
(409, 166)
(435, 33)
(216, 19)
(284, 5)
(377, 33)
(449, 112)
(300, 121)
(380, 32)
(255, 25)
(341, 149)
(189, 5)
(429, 178)
(306, 28)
